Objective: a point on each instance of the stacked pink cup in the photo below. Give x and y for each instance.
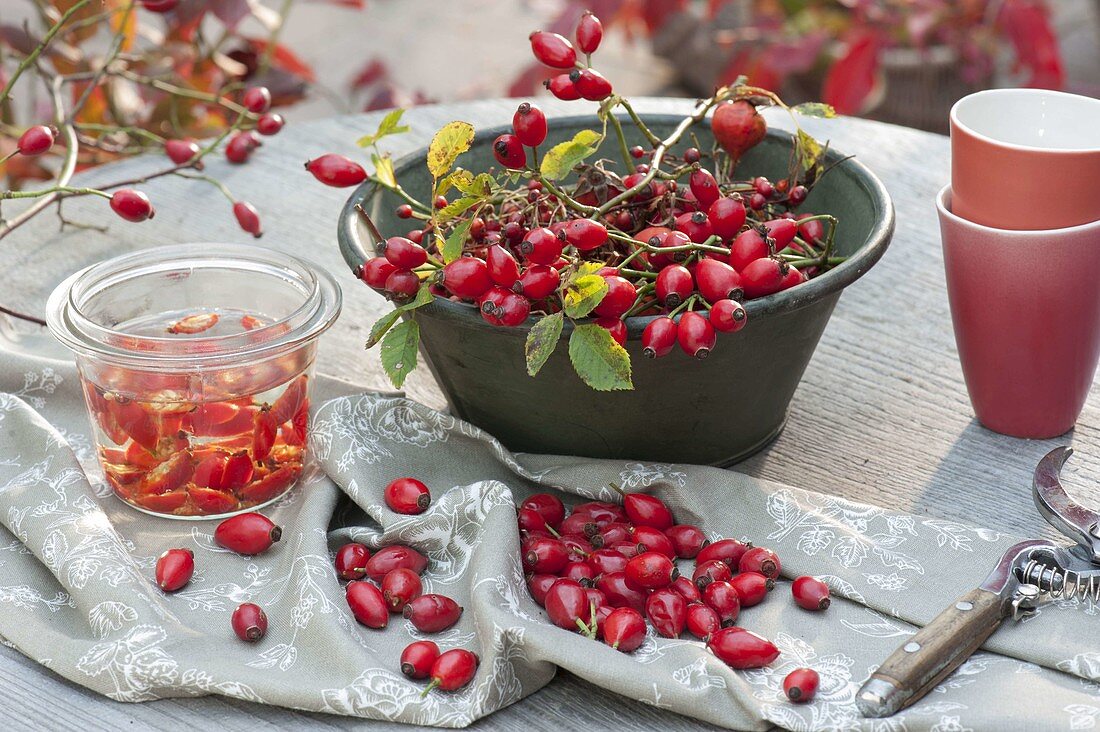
(1020, 224)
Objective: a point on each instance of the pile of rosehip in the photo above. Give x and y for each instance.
(606, 569)
(385, 582)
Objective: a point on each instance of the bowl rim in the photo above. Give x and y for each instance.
(832, 281)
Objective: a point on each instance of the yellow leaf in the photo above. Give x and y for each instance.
(453, 139)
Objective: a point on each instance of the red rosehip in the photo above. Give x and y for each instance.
(240, 146)
(696, 225)
(748, 247)
(418, 658)
(752, 587)
(351, 561)
(248, 218)
(562, 87)
(132, 205)
(403, 253)
(614, 326)
(695, 334)
(620, 297)
(810, 593)
(728, 316)
(453, 669)
(704, 187)
(586, 234)
(659, 337)
(539, 281)
(589, 32)
(727, 216)
(174, 569)
(800, 685)
(759, 559)
(375, 271)
(591, 84)
(159, 6)
(509, 152)
(402, 285)
(741, 649)
(553, 50)
(624, 629)
(737, 126)
(270, 124)
(467, 277)
(249, 622)
(247, 533)
(529, 124)
(337, 171)
(763, 277)
(717, 281)
(257, 99)
(541, 246)
(408, 496)
(181, 151)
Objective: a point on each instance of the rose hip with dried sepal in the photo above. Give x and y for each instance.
(752, 587)
(727, 216)
(741, 649)
(376, 271)
(562, 87)
(174, 569)
(695, 334)
(418, 658)
(467, 277)
(132, 205)
(240, 147)
(367, 604)
(624, 629)
(800, 685)
(399, 587)
(782, 231)
(270, 124)
(650, 539)
(643, 509)
(591, 84)
(710, 571)
(407, 496)
(606, 561)
(666, 610)
(686, 588)
(759, 559)
(548, 506)
(509, 152)
(392, 557)
(403, 253)
(545, 556)
(687, 540)
(529, 125)
(717, 281)
(810, 593)
(674, 284)
(763, 277)
(579, 571)
(737, 127)
(728, 316)
(248, 218)
(453, 670)
(704, 187)
(247, 533)
(432, 613)
(249, 622)
(351, 561)
(659, 337)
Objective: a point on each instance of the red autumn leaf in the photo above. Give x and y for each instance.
(1027, 25)
(852, 78)
(375, 70)
(753, 67)
(656, 13)
(283, 58)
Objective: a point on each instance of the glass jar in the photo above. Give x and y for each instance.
(197, 365)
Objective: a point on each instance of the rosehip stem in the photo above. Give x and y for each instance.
(623, 150)
(63, 190)
(685, 305)
(652, 138)
(212, 181)
(32, 57)
(563, 197)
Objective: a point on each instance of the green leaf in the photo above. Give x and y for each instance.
(541, 341)
(388, 126)
(557, 163)
(452, 248)
(481, 186)
(423, 297)
(457, 206)
(399, 351)
(448, 181)
(600, 362)
(383, 170)
(453, 139)
(583, 295)
(815, 109)
(810, 152)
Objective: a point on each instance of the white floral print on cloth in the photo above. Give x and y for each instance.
(76, 593)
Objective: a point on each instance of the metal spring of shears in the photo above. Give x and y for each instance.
(1059, 583)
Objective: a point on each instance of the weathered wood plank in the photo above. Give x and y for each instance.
(881, 416)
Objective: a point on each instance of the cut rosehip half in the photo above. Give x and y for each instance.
(242, 422)
(209, 501)
(270, 485)
(169, 475)
(263, 434)
(163, 503)
(135, 421)
(288, 403)
(196, 323)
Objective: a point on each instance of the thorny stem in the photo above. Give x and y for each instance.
(32, 57)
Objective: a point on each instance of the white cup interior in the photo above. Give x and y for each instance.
(1031, 118)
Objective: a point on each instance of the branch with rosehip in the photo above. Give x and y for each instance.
(119, 97)
(561, 236)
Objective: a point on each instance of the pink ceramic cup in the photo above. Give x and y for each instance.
(1026, 159)
(1026, 311)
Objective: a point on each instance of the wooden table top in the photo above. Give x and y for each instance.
(881, 416)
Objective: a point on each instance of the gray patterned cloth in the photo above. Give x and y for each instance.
(77, 595)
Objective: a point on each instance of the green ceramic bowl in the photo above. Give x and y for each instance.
(716, 411)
